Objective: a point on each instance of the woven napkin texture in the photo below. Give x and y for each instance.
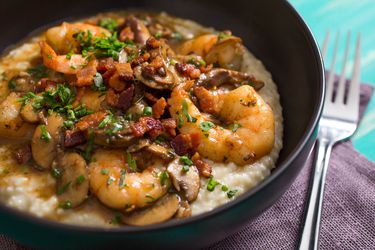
(348, 218)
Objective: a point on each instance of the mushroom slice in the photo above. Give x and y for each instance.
(73, 184)
(113, 141)
(12, 126)
(45, 141)
(162, 210)
(158, 82)
(28, 113)
(188, 182)
(141, 33)
(160, 151)
(217, 77)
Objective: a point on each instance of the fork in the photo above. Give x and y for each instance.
(338, 122)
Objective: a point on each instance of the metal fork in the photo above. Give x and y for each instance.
(338, 122)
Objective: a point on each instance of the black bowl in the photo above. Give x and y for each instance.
(275, 33)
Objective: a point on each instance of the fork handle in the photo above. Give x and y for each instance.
(311, 223)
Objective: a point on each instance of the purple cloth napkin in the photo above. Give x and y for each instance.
(348, 214)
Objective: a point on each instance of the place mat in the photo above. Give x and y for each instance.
(348, 211)
(347, 218)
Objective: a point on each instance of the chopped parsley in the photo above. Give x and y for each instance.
(109, 24)
(222, 36)
(99, 46)
(56, 173)
(63, 188)
(159, 140)
(65, 204)
(116, 220)
(105, 121)
(232, 193)
(68, 124)
(110, 180)
(147, 111)
(69, 55)
(158, 35)
(185, 168)
(122, 183)
(206, 126)
(185, 160)
(80, 179)
(224, 188)
(38, 72)
(131, 162)
(104, 171)
(12, 84)
(186, 112)
(149, 196)
(89, 147)
(180, 121)
(45, 136)
(164, 177)
(212, 183)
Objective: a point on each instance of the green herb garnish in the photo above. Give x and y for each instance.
(12, 84)
(131, 162)
(206, 126)
(224, 188)
(45, 136)
(212, 183)
(164, 177)
(109, 24)
(122, 183)
(56, 173)
(65, 204)
(110, 180)
(38, 72)
(63, 189)
(89, 147)
(232, 193)
(98, 83)
(104, 171)
(147, 111)
(80, 179)
(186, 112)
(234, 127)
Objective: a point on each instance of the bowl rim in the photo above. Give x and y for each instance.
(30, 218)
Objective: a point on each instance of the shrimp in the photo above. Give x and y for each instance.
(227, 52)
(251, 138)
(118, 188)
(61, 38)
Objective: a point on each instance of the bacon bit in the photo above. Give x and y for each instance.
(158, 108)
(204, 169)
(150, 97)
(85, 76)
(152, 43)
(111, 98)
(206, 69)
(45, 84)
(147, 125)
(80, 94)
(126, 34)
(125, 98)
(170, 125)
(141, 59)
(23, 154)
(157, 62)
(187, 70)
(90, 121)
(122, 74)
(185, 144)
(205, 98)
(105, 65)
(73, 138)
(148, 72)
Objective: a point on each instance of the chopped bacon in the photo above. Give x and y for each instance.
(150, 97)
(152, 43)
(106, 64)
(147, 125)
(90, 121)
(157, 62)
(73, 138)
(158, 108)
(203, 167)
(111, 98)
(126, 34)
(85, 76)
(205, 69)
(125, 98)
(205, 98)
(187, 70)
(45, 84)
(141, 59)
(185, 144)
(170, 125)
(23, 154)
(123, 74)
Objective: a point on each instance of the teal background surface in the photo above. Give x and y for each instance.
(356, 16)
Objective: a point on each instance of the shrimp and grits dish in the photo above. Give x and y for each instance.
(132, 118)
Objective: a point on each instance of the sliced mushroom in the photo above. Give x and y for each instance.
(12, 127)
(44, 150)
(187, 182)
(227, 52)
(113, 141)
(93, 100)
(141, 33)
(184, 211)
(156, 81)
(23, 82)
(162, 210)
(73, 184)
(29, 114)
(160, 151)
(142, 143)
(217, 77)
